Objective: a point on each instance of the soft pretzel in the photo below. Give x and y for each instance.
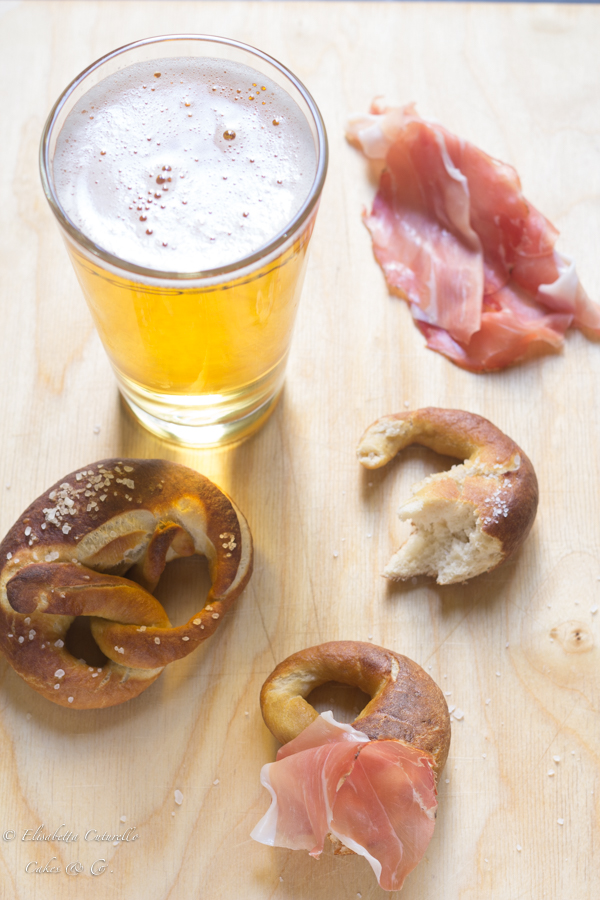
(369, 786)
(470, 519)
(406, 703)
(67, 553)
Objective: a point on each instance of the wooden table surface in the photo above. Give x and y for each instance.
(515, 650)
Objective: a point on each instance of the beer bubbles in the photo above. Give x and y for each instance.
(182, 167)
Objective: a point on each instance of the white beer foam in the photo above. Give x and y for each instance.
(147, 168)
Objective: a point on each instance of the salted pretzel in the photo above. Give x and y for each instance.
(66, 557)
(406, 704)
(470, 519)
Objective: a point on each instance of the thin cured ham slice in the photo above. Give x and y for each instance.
(377, 798)
(456, 238)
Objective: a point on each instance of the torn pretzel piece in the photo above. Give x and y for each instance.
(468, 520)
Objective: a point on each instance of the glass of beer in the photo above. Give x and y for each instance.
(185, 172)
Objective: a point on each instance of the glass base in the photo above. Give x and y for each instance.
(216, 434)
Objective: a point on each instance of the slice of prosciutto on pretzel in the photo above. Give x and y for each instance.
(66, 557)
(370, 786)
(455, 237)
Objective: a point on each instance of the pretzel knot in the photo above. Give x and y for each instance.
(67, 553)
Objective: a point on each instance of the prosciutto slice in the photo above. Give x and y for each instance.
(378, 798)
(456, 238)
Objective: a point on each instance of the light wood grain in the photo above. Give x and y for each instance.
(523, 83)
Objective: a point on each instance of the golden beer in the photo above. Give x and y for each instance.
(226, 345)
(198, 341)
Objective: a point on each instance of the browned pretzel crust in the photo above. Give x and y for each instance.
(406, 705)
(65, 556)
(468, 520)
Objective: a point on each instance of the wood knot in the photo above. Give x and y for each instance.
(574, 637)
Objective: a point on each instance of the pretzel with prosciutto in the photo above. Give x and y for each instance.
(66, 557)
(371, 785)
(465, 521)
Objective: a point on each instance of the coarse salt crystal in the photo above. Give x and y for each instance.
(216, 781)
(70, 699)
(178, 798)
(556, 759)
(215, 615)
(56, 687)
(197, 621)
(21, 639)
(459, 714)
(560, 821)
(550, 773)
(519, 848)
(157, 640)
(123, 819)
(28, 531)
(59, 673)
(59, 643)
(185, 638)
(594, 610)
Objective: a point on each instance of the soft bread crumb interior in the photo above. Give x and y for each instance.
(447, 540)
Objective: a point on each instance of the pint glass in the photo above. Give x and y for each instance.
(197, 320)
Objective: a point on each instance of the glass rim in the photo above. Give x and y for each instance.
(239, 265)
